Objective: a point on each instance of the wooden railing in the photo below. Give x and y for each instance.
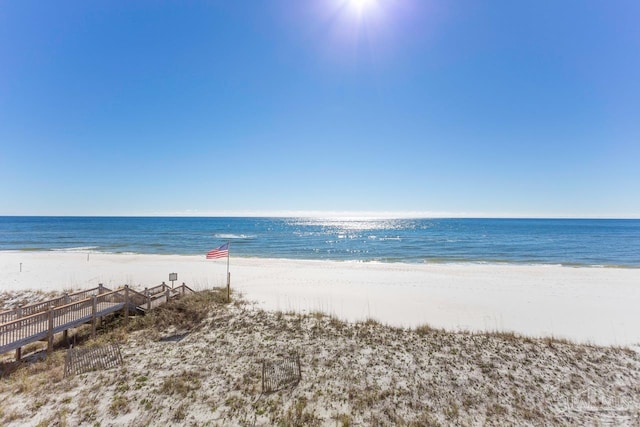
(17, 330)
(160, 294)
(48, 318)
(158, 289)
(27, 310)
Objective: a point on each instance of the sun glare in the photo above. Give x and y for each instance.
(361, 6)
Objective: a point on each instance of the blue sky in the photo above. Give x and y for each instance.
(496, 108)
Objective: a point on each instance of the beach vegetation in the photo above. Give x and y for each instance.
(146, 404)
(344, 420)
(423, 330)
(496, 410)
(119, 405)
(182, 384)
(11, 416)
(552, 340)
(122, 386)
(180, 412)
(426, 419)
(452, 412)
(234, 403)
(88, 414)
(38, 403)
(336, 322)
(183, 313)
(298, 415)
(370, 321)
(384, 377)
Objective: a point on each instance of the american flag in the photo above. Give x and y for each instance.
(219, 252)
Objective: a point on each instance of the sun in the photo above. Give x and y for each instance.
(361, 6)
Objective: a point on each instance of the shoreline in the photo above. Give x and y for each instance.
(425, 261)
(583, 304)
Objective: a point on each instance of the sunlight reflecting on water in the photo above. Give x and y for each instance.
(354, 224)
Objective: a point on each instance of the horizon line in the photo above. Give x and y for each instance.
(354, 215)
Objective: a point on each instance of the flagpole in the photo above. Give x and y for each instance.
(228, 275)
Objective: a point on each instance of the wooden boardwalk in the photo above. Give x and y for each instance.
(41, 321)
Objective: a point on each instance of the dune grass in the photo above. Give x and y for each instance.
(361, 373)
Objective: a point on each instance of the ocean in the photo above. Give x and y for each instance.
(578, 242)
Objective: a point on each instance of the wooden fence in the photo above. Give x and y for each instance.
(79, 361)
(277, 374)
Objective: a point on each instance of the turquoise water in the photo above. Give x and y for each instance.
(532, 241)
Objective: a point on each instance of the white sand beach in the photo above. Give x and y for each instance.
(198, 360)
(596, 305)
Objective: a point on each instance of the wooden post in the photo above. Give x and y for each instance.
(65, 334)
(168, 293)
(100, 292)
(126, 305)
(50, 335)
(146, 294)
(19, 349)
(228, 287)
(183, 288)
(94, 309)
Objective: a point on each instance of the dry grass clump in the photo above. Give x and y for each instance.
(182, 384)
(19, 377)
(424, 330)
(183, 313)
(31, 382)
(119, 405)
(299, 415)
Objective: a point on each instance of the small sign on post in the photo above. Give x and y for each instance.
(172, 278)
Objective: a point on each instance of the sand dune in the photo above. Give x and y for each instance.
(181, 371)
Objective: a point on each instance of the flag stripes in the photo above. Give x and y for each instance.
(219, 252)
